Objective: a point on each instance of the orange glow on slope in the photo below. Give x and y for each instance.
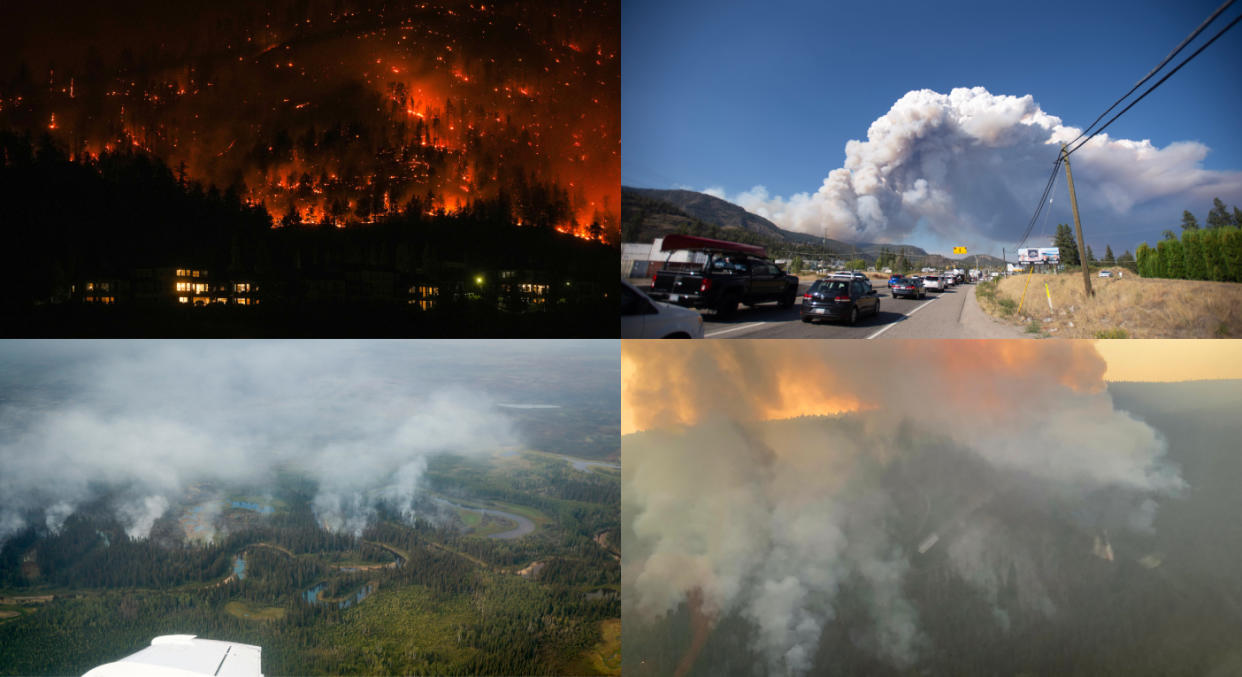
(452, 103)
(668, 383)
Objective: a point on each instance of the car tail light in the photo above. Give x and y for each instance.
(705, 285)
(806, 295)
(654, 276)
(841, 298)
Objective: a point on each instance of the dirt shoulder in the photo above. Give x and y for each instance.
(1124, 306)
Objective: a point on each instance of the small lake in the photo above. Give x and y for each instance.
(312, 596)
(255, 507)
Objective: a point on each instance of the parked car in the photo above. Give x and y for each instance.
(911, 287)
(933, 283)
(833, 298)
(893, 279)
(1106, 273)
(643, 318)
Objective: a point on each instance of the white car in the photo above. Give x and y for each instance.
(642, 317)
(933, 283)
(1106, 273)
(949, 280)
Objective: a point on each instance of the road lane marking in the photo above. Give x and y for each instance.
(903, 318)
(730, 330)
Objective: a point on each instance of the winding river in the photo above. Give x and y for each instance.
(524, 525)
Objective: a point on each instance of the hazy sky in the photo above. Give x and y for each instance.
(735, 96)
(1171, 359)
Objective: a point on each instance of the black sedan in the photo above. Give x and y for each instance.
(911, 287)
(839, 299)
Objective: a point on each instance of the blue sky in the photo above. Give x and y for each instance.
(735, 95)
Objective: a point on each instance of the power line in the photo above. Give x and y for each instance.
(1159, 82)
(1052, 177)
(1162, 64)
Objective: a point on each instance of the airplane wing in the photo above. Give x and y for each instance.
(186, 656)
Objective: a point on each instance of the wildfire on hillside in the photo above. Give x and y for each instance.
(337, 112)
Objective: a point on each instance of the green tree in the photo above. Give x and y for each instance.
(1126, 257)
(1145, 260)
(1211, 250)
(1172, 260)
(795, 266)
(1231, 253)
(1090, 255)
(1168, 235)
(1108, 255)
(856, 264)
(1192, 255)
(1237, 217)
(1219, 217)
(1188, 221)
(1064, 241)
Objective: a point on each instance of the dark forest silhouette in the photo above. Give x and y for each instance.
(67, 222)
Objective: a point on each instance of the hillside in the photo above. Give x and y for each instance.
(648, 213)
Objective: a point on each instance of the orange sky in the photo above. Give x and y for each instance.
(1171, 359)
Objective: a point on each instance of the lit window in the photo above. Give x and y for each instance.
(194, 273)
(183, 299)
(90, 286)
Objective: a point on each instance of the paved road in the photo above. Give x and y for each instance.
(949, 314)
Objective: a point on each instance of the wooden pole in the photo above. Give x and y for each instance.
(1082, 248)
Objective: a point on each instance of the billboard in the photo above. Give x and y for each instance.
(1050, 255)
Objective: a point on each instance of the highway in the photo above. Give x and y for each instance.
(949, 314)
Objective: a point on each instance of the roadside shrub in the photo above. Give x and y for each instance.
(1007, 306)
(1112, 334)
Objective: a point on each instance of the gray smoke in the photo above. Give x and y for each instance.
(742, 488)
(969, 166)
(142, 421)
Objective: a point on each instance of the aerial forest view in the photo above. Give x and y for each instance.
(404, 508)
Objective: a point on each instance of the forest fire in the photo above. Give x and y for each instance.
(328, 116)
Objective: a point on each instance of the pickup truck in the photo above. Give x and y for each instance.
(731, 273)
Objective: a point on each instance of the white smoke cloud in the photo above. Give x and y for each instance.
(139, 516)
(969, 166)
(770, 519)
(145, 420)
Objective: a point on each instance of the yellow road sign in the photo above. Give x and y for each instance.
(959, 250)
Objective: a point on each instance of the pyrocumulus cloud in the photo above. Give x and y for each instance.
(969, 166)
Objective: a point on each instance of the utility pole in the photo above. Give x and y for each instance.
(1082, 248)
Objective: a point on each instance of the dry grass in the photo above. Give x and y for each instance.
(1137, 307)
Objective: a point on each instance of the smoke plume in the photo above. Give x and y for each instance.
(969, 166)
(766, 479)
(138, 423)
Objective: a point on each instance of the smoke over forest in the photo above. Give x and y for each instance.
(780, 489)
(137, 423)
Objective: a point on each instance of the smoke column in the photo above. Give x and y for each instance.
(969, 166)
